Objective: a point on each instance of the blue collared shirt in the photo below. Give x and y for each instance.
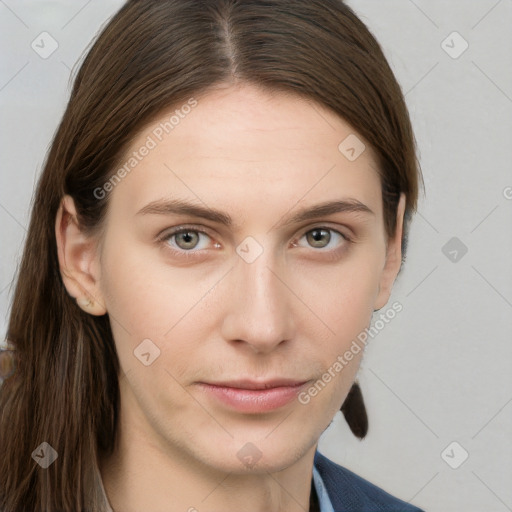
(323, 498)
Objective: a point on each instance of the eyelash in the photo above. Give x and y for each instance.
(164, 238)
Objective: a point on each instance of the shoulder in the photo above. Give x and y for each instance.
(349, 492)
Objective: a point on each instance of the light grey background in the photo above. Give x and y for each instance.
(440, 372)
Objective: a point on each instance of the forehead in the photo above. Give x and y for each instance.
(243, 146)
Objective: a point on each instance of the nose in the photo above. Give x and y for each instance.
(259, 304)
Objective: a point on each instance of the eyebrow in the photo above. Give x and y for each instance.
(183, 207)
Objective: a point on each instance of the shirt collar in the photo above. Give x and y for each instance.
(323, 498)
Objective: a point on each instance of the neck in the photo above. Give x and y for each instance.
(142, 474)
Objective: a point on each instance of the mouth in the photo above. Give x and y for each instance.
(250, 396)
(258, 385)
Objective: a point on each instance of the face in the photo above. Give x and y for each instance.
(252, 288)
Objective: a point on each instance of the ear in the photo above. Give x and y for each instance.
(78, 260)
(393, 258)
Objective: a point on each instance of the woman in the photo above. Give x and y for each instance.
(224, 205)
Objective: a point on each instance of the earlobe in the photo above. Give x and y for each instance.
(78, 259)
(393, 259)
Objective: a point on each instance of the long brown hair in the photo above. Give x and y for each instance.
(151, 56)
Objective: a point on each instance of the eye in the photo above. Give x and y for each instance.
(186, 239)
(321, 238)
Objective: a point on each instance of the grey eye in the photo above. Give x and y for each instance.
(319, 237)
(186, 239)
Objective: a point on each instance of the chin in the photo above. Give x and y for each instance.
(257, 456)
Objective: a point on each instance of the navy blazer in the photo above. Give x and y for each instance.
(349, 492)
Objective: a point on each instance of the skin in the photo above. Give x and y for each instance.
(290, 313)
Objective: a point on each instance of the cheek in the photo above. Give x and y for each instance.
(133, 297)
(351, 304)
(137, 294)
(342, 295)
(150, 300)
(343, 298)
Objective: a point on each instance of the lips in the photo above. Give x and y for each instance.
(251, 384)
(249, 396)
